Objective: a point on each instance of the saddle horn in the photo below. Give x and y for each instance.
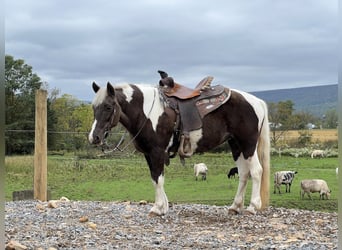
(162, 74)
(166, 80)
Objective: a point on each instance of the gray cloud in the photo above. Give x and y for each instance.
(249, 45)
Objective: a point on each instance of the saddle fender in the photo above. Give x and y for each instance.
(190, 113)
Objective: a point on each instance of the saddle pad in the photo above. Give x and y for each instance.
(210, 103)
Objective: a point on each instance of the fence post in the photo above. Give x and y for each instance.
(40, 147)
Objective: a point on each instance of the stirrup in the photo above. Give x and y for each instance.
(185, 149)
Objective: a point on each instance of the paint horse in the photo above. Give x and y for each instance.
(143, 110)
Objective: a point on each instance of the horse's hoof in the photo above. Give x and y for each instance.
(232, 211)
(249, 211)
(153, 214)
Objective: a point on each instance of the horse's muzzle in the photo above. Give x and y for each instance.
(94, 139)
(97, 140)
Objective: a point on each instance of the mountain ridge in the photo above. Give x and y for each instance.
(316, 100)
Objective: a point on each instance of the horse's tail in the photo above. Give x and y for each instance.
(264, 158)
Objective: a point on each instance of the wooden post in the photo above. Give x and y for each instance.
(40, 147)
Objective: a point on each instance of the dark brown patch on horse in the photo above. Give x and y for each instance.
(235, 122)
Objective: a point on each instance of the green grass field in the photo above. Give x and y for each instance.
(128, 178)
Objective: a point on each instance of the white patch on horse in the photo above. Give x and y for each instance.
(161, 204)
(100, 96)
(255, 103)
(90, 137)
(128, 92)
(170, 144)
(153, 107)
(195, 136)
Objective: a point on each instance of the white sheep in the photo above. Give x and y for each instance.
(201, 169)
(313, 186)
(317, 153)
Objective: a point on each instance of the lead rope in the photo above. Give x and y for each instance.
(139, 131)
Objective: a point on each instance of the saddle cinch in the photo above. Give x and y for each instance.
(191, 105)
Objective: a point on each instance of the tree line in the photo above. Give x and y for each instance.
(69, 119)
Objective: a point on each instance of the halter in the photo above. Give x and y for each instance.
(139, 131)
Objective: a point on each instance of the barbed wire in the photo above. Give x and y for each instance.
(332, 136)
(53, 132)
(112, 148)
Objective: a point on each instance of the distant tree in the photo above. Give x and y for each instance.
(83, 117)
(330, 119)
(304, 139)
(20, 87)
(51, 118)
(73, 119)
(301, 119)
(280, 117)
(285, 110)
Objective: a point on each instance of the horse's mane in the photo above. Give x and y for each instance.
(102, 92)
(99, 97)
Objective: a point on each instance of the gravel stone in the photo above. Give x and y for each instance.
(126, 225)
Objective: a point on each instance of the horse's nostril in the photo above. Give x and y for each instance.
(96, 139)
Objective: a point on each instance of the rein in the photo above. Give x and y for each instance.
(136, 135)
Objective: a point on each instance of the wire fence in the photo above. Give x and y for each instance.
(117, 142)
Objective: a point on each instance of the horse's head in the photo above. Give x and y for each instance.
(106, 113)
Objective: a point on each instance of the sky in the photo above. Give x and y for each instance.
(247, 45)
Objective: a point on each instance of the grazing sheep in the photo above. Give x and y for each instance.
(232, 172)
(313, 186)
(283, 177)
(317, 153)
(201, 169)
(336, 171)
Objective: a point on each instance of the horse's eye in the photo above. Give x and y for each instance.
(108, 108)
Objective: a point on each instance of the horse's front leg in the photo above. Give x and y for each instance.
(156, 165)
(161, 204)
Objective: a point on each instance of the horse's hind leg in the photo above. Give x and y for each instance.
(238, 203)
(251, 167)
(256, 174)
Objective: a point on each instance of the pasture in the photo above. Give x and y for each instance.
(128, 178)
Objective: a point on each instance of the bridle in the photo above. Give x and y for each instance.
(114, 120)
(134, 137)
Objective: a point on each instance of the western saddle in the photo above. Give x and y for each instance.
(190, 105)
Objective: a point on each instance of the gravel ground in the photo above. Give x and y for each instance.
(125, 225)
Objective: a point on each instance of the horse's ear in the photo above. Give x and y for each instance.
(162, 74)
(110, 89)
(95, 87)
